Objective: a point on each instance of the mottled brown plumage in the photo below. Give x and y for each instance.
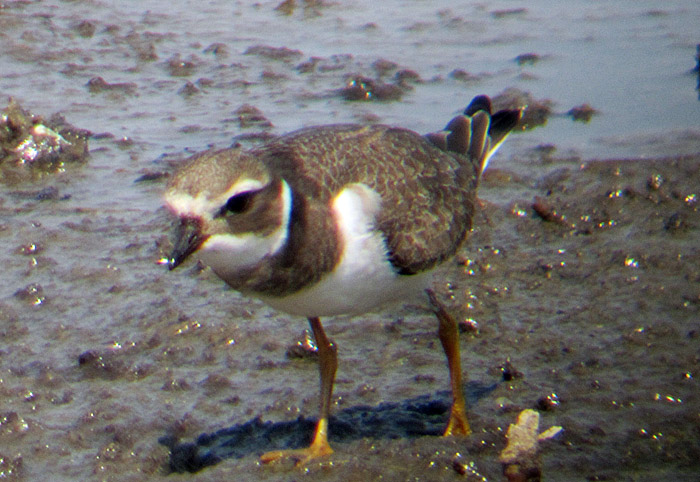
(427, 193)
(427, 197)
(339, 219)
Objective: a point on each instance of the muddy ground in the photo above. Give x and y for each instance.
(594, 301)
(578, 290)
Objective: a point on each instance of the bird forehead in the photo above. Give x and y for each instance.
(183, 204)
(215, 172)
(206, 201)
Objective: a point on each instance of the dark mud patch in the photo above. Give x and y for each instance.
(535, 112)
(365, 88)
(98, 85)
(582, 113)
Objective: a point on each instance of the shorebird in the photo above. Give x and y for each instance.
(339, 219)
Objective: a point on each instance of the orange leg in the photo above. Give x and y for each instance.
(449, 337)
(328, 363)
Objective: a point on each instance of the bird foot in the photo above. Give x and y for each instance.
(458, 424)
(301, 457)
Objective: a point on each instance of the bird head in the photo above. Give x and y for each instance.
(231, 212)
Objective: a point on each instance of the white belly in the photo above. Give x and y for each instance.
(354, 288)
(364, 280)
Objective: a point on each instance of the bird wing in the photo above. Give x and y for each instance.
(427, 194)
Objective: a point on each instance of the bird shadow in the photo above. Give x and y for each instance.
(421, 416)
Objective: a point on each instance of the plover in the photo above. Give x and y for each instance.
(339, 219)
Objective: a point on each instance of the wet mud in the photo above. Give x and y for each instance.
(587, 298)
(578, 292)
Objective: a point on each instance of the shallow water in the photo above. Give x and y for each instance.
(103, 352)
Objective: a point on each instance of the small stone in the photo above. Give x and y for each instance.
(305, 347)
(32, 294)
(529, 58)
(85, 29)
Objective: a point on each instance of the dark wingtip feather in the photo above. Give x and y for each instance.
(459, 134)
(477, 134)
(438, 139)
(480, 102)
(479, 143)
(505, 120)
(502, 123)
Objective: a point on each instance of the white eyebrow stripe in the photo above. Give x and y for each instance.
(183, 204)
(241, 186)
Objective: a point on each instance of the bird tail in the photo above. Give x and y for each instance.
(477, 133)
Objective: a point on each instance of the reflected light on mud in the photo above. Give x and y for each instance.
(519, 212)
(469, 266)
(471, 325)
(631, 263)
(667, 398)
(467, 469)
(116, 345)
(193, 325)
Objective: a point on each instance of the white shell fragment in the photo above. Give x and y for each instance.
(523, 437)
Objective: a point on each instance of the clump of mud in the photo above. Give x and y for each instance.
(360, 87)
(365, 88)
(31, 145)
(535, 112)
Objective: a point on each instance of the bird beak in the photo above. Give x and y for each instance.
(188, 239)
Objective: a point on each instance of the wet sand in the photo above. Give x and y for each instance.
(579, 289)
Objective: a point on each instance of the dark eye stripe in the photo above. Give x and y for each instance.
(239, 203)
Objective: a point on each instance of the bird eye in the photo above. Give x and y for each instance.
(238, 203)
